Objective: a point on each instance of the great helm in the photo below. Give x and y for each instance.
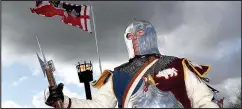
(140, 38)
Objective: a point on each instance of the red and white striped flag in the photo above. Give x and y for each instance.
(72, 14)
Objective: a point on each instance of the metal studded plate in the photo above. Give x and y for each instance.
(135, 64)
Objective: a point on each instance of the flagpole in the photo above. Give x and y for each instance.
(95, 35)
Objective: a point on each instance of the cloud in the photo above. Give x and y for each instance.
(204, 32)
(64, 70)
(68, 72)
(36, 71)
(12, 104)
(229, 89)
(196, 30)
(39, 102)
(202, 27)
(23, 78)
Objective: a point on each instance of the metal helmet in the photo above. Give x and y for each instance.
(140, 38)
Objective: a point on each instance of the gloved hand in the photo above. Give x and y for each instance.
(54, 94)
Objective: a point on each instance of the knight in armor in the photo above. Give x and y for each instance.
(148, 80)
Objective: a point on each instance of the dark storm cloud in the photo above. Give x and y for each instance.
(197, 28)
(68, 42)
(228, 18)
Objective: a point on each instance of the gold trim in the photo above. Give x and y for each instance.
(184, 70)
(112, 86)
(104, 75)
(100, 82)
(203, 75)
(150, 78)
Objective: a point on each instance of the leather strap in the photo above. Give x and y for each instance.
(138, 75)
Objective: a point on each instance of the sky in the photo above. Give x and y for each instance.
(204, 32)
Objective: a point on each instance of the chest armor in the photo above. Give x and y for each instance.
(165, 88)
(153, 98)
(164, 62)
(136, 63)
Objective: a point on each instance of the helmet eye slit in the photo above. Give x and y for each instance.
(129, 36)
(140, 32)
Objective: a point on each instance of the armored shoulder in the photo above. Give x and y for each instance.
(172, 62)
(200, 70)
(106, 74)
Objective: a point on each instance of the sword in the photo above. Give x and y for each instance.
(48, 69)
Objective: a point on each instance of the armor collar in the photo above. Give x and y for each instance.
(145, 56)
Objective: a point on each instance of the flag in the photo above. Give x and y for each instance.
(72, 14)
(42, 65)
